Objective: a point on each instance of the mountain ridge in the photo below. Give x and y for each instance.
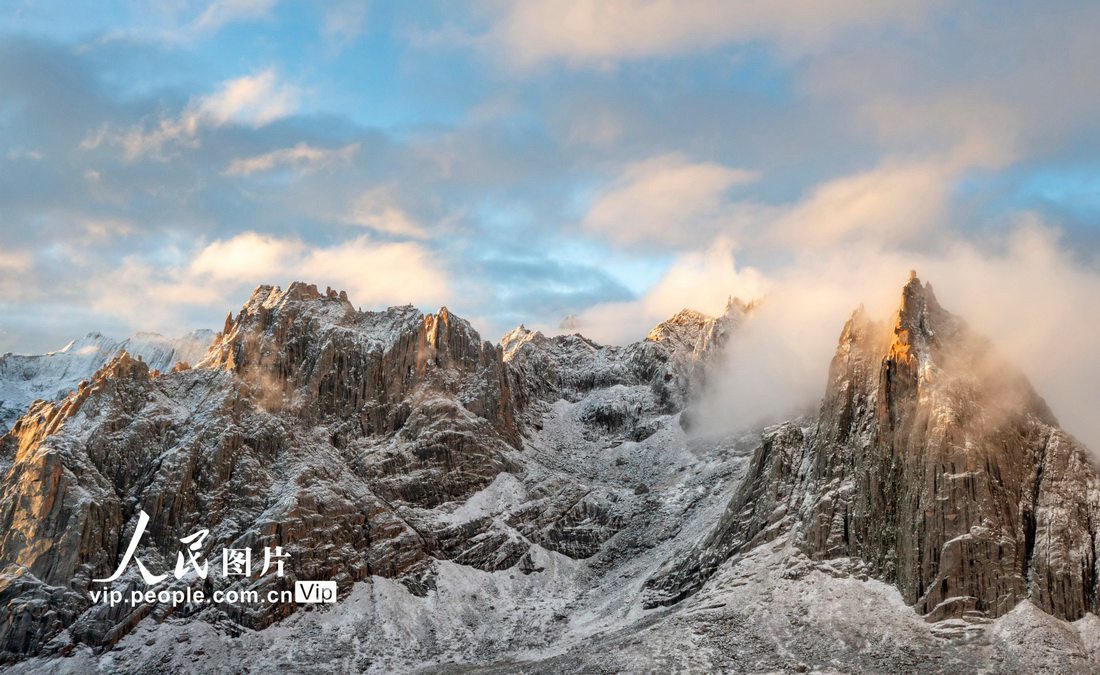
(402, 456)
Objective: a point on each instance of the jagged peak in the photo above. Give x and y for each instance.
(300, 290)
(122, 365)
(516, 338)
(919, 318)
(917, 299)
(261, 293)
(735, 306)
(517, 333)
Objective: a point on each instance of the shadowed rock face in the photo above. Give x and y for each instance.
(932, 462)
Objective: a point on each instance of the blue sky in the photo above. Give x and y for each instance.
(519, 162)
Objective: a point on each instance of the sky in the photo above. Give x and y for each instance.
(523, 161)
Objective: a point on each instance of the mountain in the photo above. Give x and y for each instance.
(936, 466)
(24, 379)
(355, 440)
(541, 505)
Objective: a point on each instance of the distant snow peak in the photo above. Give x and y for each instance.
(49, 376)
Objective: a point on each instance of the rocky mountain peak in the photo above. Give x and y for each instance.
(736, 307)
(686, 320)
(935, 465)
(919, 319)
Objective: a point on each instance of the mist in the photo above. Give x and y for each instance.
(1025, 291)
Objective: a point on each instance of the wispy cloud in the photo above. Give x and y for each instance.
(252, 100)
(606, 32)
(665, 200)
(375, 275)
(344, 20)
(301, 157)
(222, 12)
(377, 210)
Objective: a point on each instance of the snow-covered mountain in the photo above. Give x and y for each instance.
(26, 378)
(537, 505)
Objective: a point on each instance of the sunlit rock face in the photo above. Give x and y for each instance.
(934, 464)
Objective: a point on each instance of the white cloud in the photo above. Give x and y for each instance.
(221, 12)
(14, 261)
(1025, 292)
(344, 21)
(665, 200)
(668, 201)
(302, 157)
(254, 100)
(103, 229)
(246, 256)
(377, 210)
(220, 275)
(899, 203)
(601, 32)
(703, 281)
(377, 275)
(251, 100)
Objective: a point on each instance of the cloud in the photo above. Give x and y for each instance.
(220, 274)
(668, 201)
(14, 262)
(376, 210)
(601, 32)
(374, 274)
(255, 100)
(703, 281)
(1025, 292)
(301, 157)
(251, 100)
(895, 202)
(665, 200)
(345, 20)
(221, 12)
(244, 257)
(105, 229)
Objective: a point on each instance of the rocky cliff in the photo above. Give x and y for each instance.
(354, 440)
(935, 465)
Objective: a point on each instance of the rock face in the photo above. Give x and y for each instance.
(354, 440)
(935, 465)
(24, 379)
